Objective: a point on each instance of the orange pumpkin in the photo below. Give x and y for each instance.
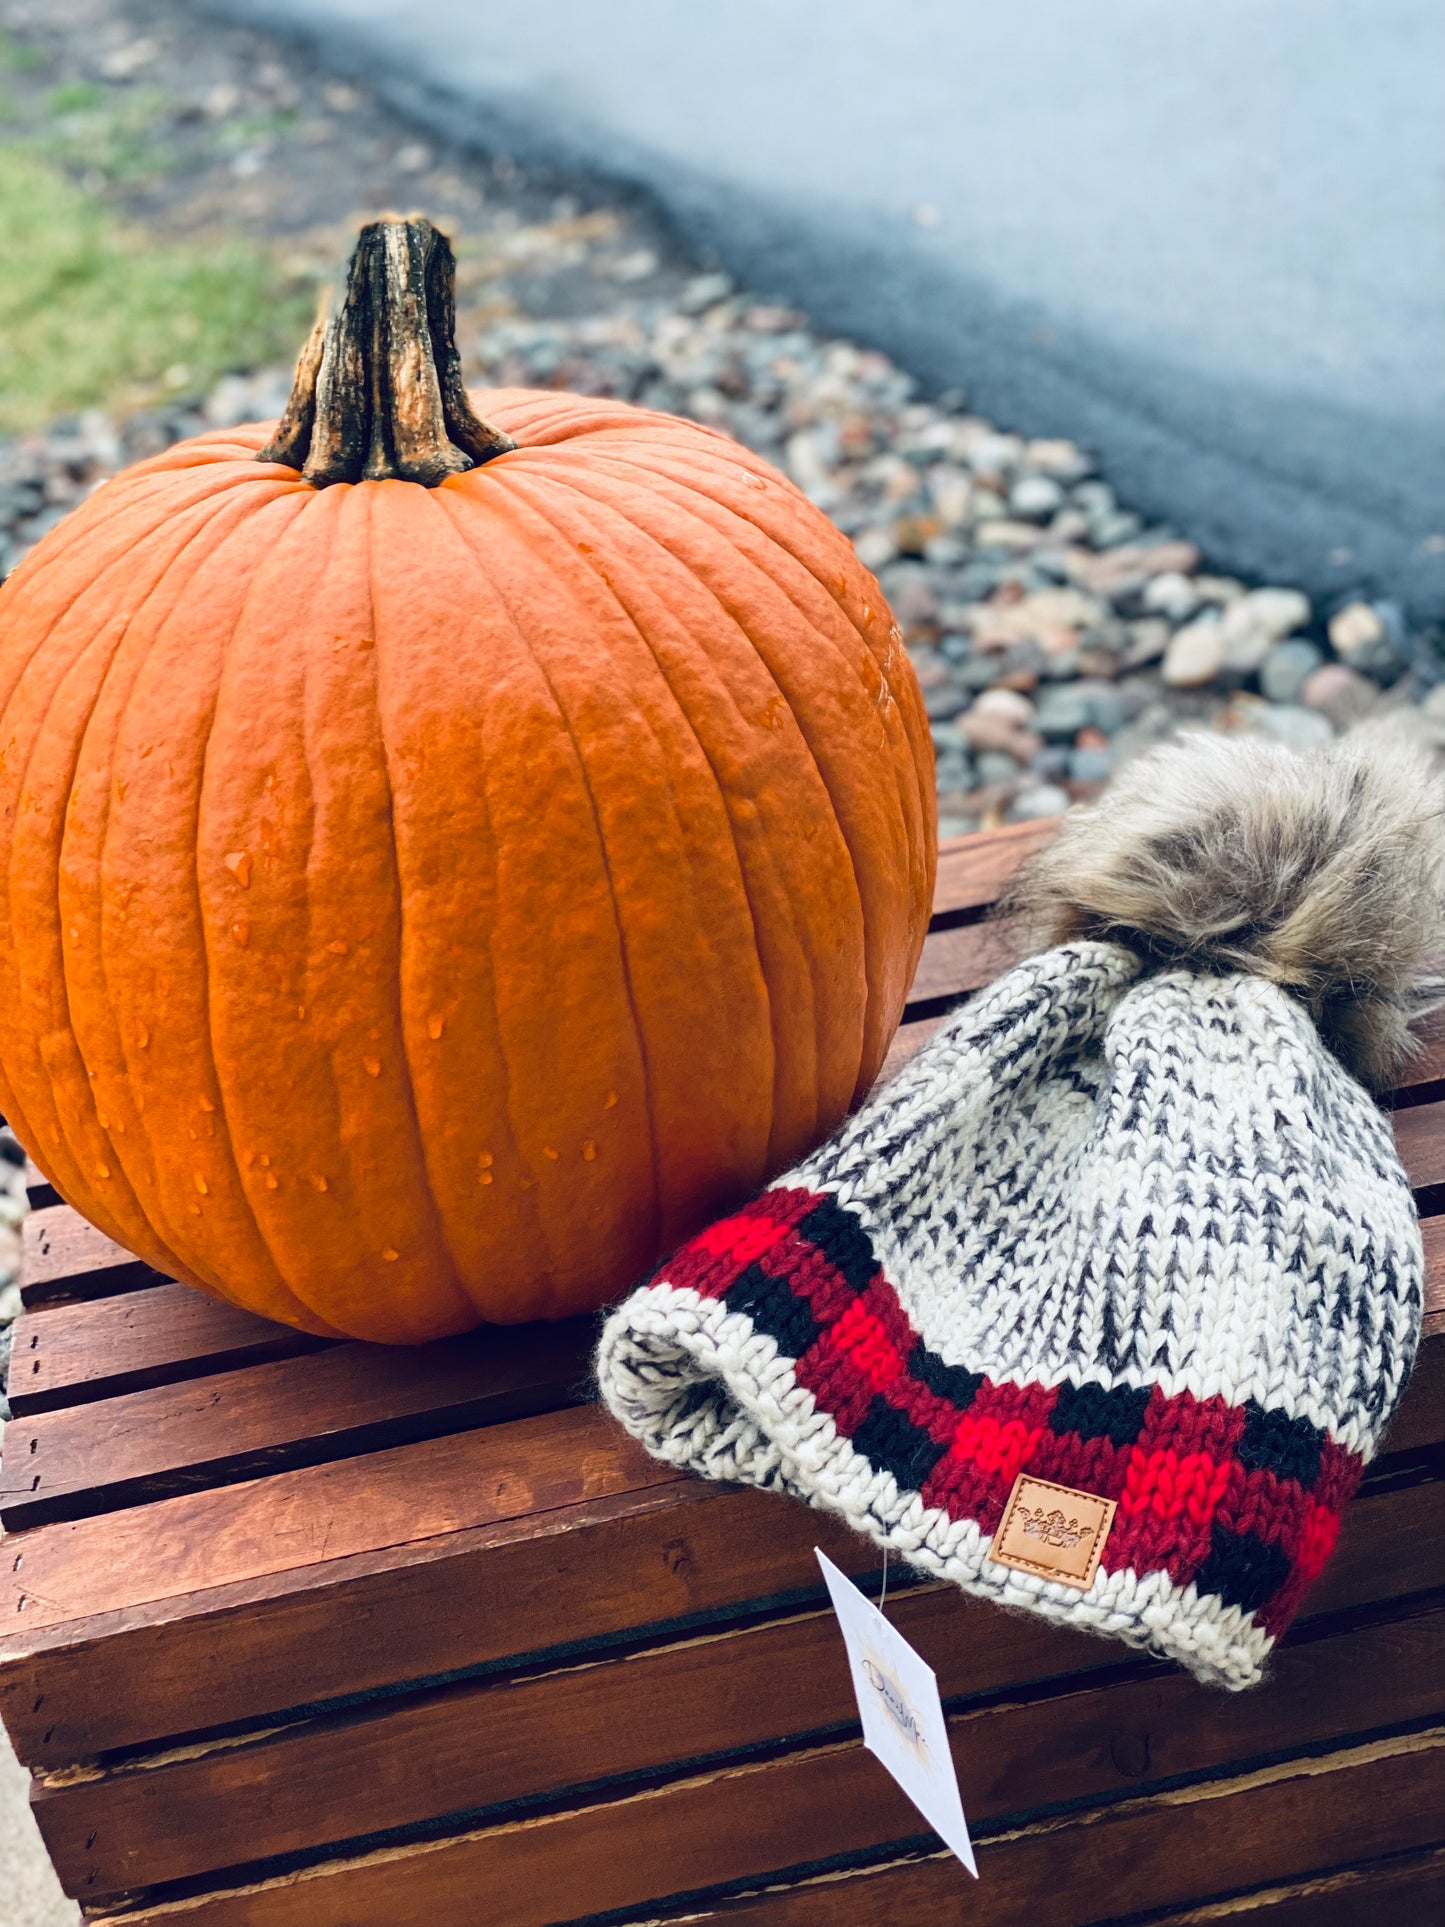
(426, 900)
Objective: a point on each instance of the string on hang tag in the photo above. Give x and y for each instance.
(883, 1594)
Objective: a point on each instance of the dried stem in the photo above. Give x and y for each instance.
(378, 392)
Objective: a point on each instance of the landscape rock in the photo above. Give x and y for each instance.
(1296, 727)
(1195, 655)
(1287, 667)
(1360, 636)
(1044, 799)
(1342, 694)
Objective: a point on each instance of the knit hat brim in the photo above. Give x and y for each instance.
(727, 1371)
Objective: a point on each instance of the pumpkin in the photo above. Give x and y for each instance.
(445, 859)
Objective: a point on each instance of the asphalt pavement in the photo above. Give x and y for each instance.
(1205, 237)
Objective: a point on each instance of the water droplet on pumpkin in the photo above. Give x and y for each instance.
(340, 947)
(320, 1183)
(528, 1184)
(142, 1038)
(238, 862)
(390, 1255)
(205, 1102)
(74, 933)
(372, 1066)
(241, 931)
(248, 1158)
(589, 1149)
(201, 1185)
(548, 1152)
(301, 1013)
(484, 1177)
(191, 1134)
(264, 1161)
(102, 1170)
(609, 1100)
(435, 1026)
(102, 1120)
(195, 1210)
(270, 1180)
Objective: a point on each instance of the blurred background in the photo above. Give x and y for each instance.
(1111, 335)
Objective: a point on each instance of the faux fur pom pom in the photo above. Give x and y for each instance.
(1322, 871)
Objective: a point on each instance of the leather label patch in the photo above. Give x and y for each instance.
(1052, 1531)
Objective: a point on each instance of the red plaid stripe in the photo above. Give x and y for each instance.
(1181, 1487)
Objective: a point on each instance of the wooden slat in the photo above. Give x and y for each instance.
(957, 961)
(1207, 1841)
(119, 1645)
(65, 1258)
(296, 1411)
(1420, 1140)
(1432, 1236)
(1420, 1420)
(749, 1820)
(477, 1746)
(72, 1354)
(974, 871)
(1407, 1890)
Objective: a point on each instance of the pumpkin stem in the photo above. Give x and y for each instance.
(378, 391)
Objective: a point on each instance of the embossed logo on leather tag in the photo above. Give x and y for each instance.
(1053, 1531)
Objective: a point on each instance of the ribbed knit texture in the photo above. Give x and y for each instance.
(1140, 1235)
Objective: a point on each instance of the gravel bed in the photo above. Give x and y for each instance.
(1055, 634)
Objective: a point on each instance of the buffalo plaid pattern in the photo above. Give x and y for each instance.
(1242, 1500)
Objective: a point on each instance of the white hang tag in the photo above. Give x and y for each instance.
(903, 1723)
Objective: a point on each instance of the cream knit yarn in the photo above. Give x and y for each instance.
(1100, 1307)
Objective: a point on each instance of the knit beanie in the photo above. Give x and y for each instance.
(1101, 1305)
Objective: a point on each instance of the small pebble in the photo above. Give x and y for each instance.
(1344, 695)
(1361, 637)
(1299, 728)
(1195, 656)
(1171, 594)
(994, 766)
(943, 702)
(1035, 498)
(1044, 799)
(1287, 667)
(1062, 712)
(1091, 765)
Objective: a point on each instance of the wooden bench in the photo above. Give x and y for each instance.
(300, 1634)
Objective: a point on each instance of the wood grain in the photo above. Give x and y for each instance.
(233, 1425)
(237, 1633)
(961, 960)
(1407, 1889)
(974, 871)
(480, 1745)
(1420, 1140)
(748, 1821)
(64, 1258)
(72, 1354)
(1274, 1825)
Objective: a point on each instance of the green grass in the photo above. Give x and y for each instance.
(91, 313)
(16, 58)
(87, 128)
